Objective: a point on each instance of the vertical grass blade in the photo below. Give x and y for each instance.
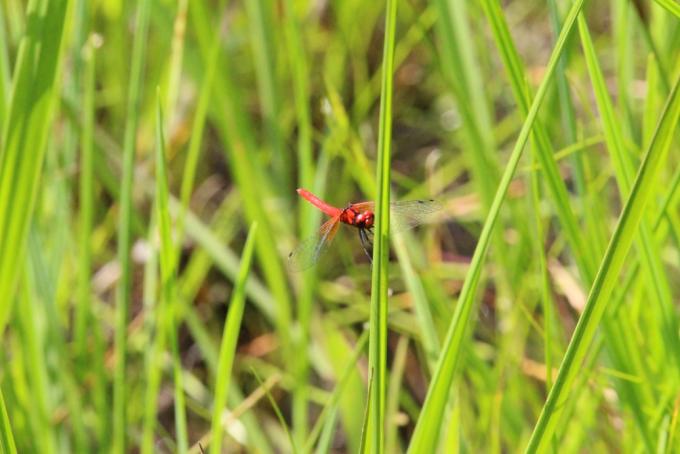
(168, 281)
(24, 135)
(124, 227)
(378, 319)
(609, 270)
(308, 216)
(86, 190)
(428, 427)
(230, 334)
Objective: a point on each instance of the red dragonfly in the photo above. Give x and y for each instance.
(404, 215)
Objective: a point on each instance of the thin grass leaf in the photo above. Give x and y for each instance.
(308, 216)
(654, 273)
(607, 276)
(6, 438)
(236, 131)
(428, 427)
(230, 334)
(377, 358)
(543, 148)
(83, 311)
(328, 413)
(120, 385)
(4, 71)
(277, 411)
(168, 280)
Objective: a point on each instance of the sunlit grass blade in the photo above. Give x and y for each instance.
(428, 428)
(24, 135)
(120, 391)
(172, 88)
(168, 280)
(607, 276)
(377, 358)
(230, 334)
(671, 6)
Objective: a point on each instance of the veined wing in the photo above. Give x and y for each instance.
(307, 253)
(406, 214)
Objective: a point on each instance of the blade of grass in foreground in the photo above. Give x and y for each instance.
(229, 338)
(24, 136)
(168, 290)
(426, 434)
(377, 358)
(607, 276)
(124, 228)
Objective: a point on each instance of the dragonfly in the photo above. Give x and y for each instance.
(403, 216)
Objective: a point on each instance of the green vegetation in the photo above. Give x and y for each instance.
(150, 153)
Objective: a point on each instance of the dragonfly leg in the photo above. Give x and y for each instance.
(366, 244)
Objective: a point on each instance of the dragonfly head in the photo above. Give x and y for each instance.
(365, 220)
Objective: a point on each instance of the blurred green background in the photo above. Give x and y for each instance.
(142, 140)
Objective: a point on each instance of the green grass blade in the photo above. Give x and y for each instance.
(607, 276)
(308, 215)
(427, 429)
(24, 135)
(671, 6)
(230, 334)
(174, 75)
(377, 358)
(120, 391)
(331, 408)
(6, 438)
(4, 71)
(543, 148)
(654, 273)
(168, 281)
(236, 131)
(263, 45)
(86, 187)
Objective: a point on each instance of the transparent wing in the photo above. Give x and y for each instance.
(307, 253)
(410, 213)
(406, 214)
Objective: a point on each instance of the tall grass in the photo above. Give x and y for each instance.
(535, 311)
(374, 426)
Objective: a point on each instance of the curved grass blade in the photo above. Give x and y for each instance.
(608, 274)
(427, 431)
(232, 328)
